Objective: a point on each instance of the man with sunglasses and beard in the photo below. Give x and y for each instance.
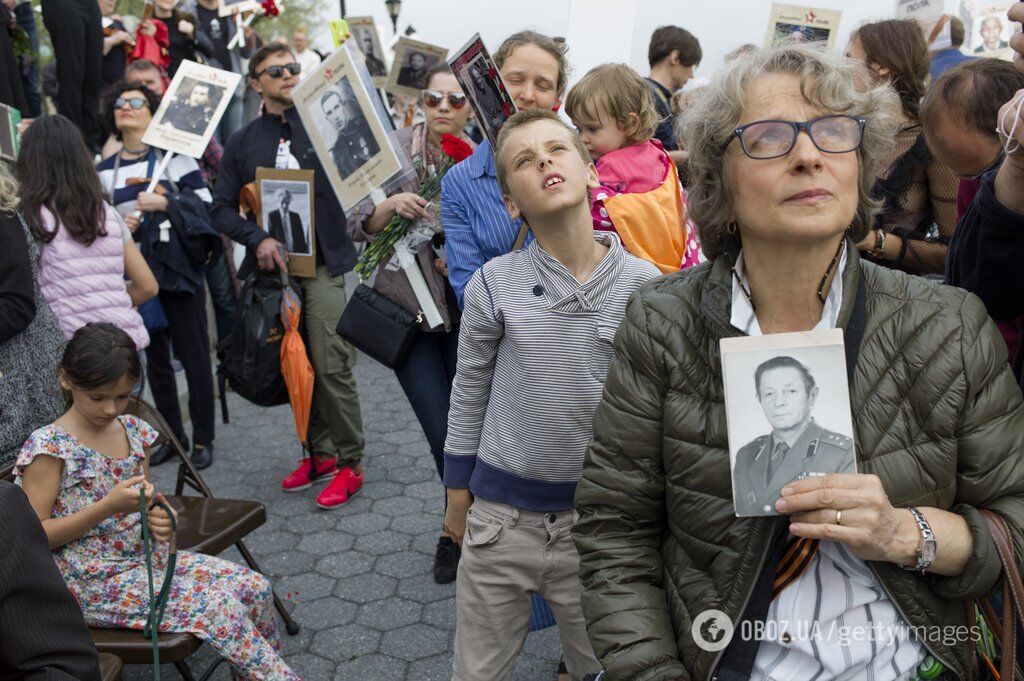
(277, 139)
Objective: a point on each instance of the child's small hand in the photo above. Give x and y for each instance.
(459, 501)
(124, 498)
(159, 523)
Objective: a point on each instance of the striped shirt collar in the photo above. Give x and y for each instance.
(560, 288)
(744, 319)
(482, 161)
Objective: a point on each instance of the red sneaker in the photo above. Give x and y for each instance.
(303, 478)
(347, 482)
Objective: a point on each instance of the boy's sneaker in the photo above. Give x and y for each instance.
(346, 482)
(446, 561)
(303, 477)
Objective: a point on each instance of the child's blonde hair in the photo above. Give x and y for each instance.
(619, 91)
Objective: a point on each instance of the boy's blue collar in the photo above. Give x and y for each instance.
(482, 161)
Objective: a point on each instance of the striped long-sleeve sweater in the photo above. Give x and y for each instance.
(534, 350)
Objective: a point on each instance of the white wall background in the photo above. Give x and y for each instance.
(599, 31)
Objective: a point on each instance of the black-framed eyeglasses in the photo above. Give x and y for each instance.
(433, 98)
(134, 102)
(835, 134)
(277, 70)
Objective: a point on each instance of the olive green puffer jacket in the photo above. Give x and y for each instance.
(937, 415)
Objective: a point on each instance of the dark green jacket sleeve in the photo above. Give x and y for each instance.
(990, 452)
(621, 505)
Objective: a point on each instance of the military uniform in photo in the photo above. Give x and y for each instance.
(765, 465)
(187, 117)
(355, 146)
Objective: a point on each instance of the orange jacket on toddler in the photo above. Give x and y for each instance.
(640, 199)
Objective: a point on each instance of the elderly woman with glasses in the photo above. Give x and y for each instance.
(783, 151)
(427, 374)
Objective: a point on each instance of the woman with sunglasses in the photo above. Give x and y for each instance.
(918, 193)
(851, 568)
(427, 375)
(157, 221)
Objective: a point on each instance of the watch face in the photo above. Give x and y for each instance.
(928, 551)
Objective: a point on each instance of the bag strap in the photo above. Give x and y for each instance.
(157, 603)
(524, 229)
(1003, 630)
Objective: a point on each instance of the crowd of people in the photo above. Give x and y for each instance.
(572, 398)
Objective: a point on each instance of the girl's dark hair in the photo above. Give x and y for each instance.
(100, 354)
(118, 89)
(55, 171)
(898, 45)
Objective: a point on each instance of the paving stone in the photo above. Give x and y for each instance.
(403, 564)
(342, 565)
(346, 642)
(365, 588)
(382, 490)
(324, 613)
(362, 523)
(414, 642)
(412, 474)
(440, 614)
(382, 542)
(424, 589)
(403, 436)
(324, 543)
(436, 668)
(309, 666)
(397, 506)
(425, 490)
(287, 563)
(272, 541)
(419, 524)
(372, 667)
(307, 586)
(390, 613)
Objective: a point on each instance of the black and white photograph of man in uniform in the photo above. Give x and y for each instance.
(796, 447)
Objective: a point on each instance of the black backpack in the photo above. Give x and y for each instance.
(250, 359)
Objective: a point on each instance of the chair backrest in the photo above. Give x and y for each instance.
(187, 472)
(7, 472)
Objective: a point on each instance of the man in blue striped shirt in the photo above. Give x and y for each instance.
(476, 223)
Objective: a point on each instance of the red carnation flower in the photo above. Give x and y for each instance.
(455, 148)
(506, 108)
(270, 7)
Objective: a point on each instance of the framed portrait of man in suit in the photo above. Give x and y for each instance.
(787, 406)
(286, 200)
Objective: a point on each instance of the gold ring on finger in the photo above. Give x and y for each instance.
(839, 517)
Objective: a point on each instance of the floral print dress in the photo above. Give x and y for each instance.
(224, 604)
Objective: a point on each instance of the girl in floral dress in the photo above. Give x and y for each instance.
(83, 475)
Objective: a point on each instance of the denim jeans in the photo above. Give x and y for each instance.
(222, 294)
(27, 21)
(426, 377)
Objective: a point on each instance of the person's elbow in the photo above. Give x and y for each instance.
(149, 290)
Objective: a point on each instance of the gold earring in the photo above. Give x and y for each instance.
(731, 228)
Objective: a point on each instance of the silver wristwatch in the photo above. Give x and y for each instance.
(927, 549)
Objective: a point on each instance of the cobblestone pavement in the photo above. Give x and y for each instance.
(358, 579)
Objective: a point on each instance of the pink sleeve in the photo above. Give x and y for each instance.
(602, 221)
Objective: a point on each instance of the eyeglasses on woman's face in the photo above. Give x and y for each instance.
(277, 70)
(135, 103)
(433, 99)
(835, 134)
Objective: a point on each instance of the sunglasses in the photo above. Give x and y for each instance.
(134, 102)
(433, 98)
(277, 70)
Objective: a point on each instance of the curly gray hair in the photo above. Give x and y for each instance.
(828, 82)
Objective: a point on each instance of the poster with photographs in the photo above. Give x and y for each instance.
(931, 17)
(987, 31)
(346, 130)
(286, 213)
(9, 119)
(364, 33)
(226, 8)
(413, 60)
(480, 80)
(191, 109)
(787, 406)
(792, 23)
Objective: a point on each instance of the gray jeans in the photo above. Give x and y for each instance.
(507, 554)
